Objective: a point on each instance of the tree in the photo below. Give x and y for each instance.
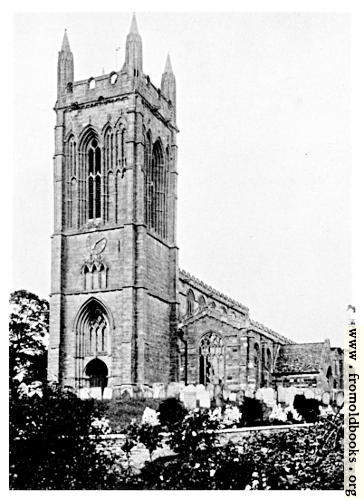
(28, 338)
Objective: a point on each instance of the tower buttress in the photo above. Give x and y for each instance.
(168, 84)
(65, 66)
(134, 50)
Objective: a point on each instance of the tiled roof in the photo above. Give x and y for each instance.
(299, 358)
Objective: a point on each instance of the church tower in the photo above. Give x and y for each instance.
(113, 319)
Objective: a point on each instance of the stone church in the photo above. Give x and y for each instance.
(123, 315)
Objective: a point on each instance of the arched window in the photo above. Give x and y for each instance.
(71, 183)
(94, 180)
(190, 303)
(92, 331)
(156, 188)
(94, 276)
(201, 302)
(212, 359)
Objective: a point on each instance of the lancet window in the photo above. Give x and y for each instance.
(156, 187)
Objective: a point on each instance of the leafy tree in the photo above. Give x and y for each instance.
(28, 339)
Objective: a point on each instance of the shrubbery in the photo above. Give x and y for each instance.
(50, 445)
(171, 411)
(51, 448)
(309, 409)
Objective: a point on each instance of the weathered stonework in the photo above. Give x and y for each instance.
(122, 314)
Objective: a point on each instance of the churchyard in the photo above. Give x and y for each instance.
(176, 437)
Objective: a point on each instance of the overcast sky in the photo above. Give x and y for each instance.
(264, 152)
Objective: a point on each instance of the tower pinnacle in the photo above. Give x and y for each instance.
(133, 25)
(168, 66)
(168, 84)
(65, 65)
(134, 50)
(65, 44)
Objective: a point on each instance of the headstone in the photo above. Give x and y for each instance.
(309, 394)
(326, 398)
(173, 390)
(290, 395)
(210, 390)
(107, 394)
(281, 394)
(259, 394)
(232, 396)
(159, 391)
(138, 392)
(269, 396)
(225, 393)
(203, 398)
(340, 398)
(249, 393)
(85, 393)
(95, 393)
(189, 397)
(148, 392)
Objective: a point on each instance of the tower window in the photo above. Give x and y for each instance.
(94, 180)
(156, 188)
(91, 83)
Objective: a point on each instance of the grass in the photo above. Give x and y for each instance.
(122, 413)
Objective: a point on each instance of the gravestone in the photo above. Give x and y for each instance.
(189, 397)
(148, 392)
(281, 394)
(309, 394)
(95, 393)
(290, 395)
(269, 396)
(232, 396)
(326, 398)
(340, 398)
(107, 394)
(85, 393)
(210, 390)
(159, 391)
(173, 390)
(203, 398)
(259, 394)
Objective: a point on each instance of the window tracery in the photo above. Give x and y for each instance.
(212, 359)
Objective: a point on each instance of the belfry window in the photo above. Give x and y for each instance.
(156, 187)
(94, 180)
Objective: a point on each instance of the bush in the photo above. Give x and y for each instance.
(309, 409)
(50, 444)
(294, 459)
(171, 411)
(251, 412)
(194, 433)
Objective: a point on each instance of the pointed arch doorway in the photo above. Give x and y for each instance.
(97, 373)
